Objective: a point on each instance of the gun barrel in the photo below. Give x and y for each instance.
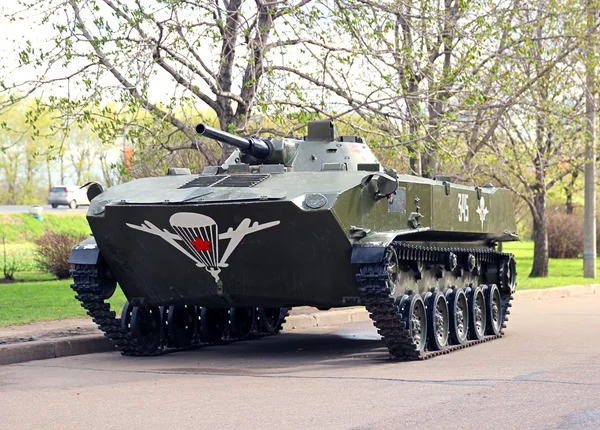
(248, 145)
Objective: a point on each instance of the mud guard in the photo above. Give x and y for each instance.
(86, 252)
(366, 254)
(371, 248)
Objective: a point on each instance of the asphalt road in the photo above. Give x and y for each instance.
(545, 373)
(47, 209)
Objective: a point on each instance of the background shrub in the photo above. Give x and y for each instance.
(54, 250)
(20, 258)
(565, 235)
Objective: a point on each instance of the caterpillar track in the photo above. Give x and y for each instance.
(131, 338)
(386, 289)
(380, 288)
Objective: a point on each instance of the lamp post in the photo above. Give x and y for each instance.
(589, 221)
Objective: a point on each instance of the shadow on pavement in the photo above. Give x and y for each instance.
(280, 353)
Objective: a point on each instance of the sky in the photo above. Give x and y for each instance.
(12, 35)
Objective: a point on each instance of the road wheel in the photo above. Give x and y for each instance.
(181, 325)
(54, 205)
(242, 320)
(412, 310)
(213, 322)
(73, 204)
(269, 320)
(477, 314)
(494, 310)
(438, 321)
(459, 316)
(145, 328)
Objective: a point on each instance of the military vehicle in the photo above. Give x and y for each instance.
(221, 256)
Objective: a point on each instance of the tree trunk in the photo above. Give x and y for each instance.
(429, 165)
(540, 238)
(589, 213)
(49, 173)
(415, 159)
(569, 205)
(62, 168)
(569, 191)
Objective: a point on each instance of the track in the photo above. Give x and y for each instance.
(465, 268)
(374, 279)
(88, 286)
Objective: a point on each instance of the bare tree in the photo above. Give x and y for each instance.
(414, 71)
(210, 54)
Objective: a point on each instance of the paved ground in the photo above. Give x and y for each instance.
(47, 209)
(48, 330)
(545, 373)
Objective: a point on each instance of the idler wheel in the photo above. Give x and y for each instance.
(438, 321)
(242, 320)
(494, 310)
(459, 316)
(212, 323)
(180, 325)
(508, 275)
(145, 327)
(269, 319)
(393, 269)
(477, 314)
(412, 310)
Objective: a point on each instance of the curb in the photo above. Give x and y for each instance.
(359, 314)
(62, 347)
(328, 318)
(557, 292)
(88, 344)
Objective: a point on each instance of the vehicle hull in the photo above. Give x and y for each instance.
(303, 260)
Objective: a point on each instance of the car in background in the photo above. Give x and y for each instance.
(67, 195)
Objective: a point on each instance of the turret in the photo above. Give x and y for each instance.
(321, 149)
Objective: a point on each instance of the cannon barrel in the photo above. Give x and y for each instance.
(248, 145)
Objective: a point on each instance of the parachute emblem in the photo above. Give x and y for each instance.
(197, 236)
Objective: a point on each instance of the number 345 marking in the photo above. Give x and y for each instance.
(463, 207)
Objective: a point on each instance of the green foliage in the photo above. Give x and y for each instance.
(8, 263)
(16, 257)
(19, 258)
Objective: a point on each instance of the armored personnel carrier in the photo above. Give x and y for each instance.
(223, 255)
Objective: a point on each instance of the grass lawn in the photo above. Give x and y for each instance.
(34, 276)
(25, 302)
(19, 228)
(560, 271)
